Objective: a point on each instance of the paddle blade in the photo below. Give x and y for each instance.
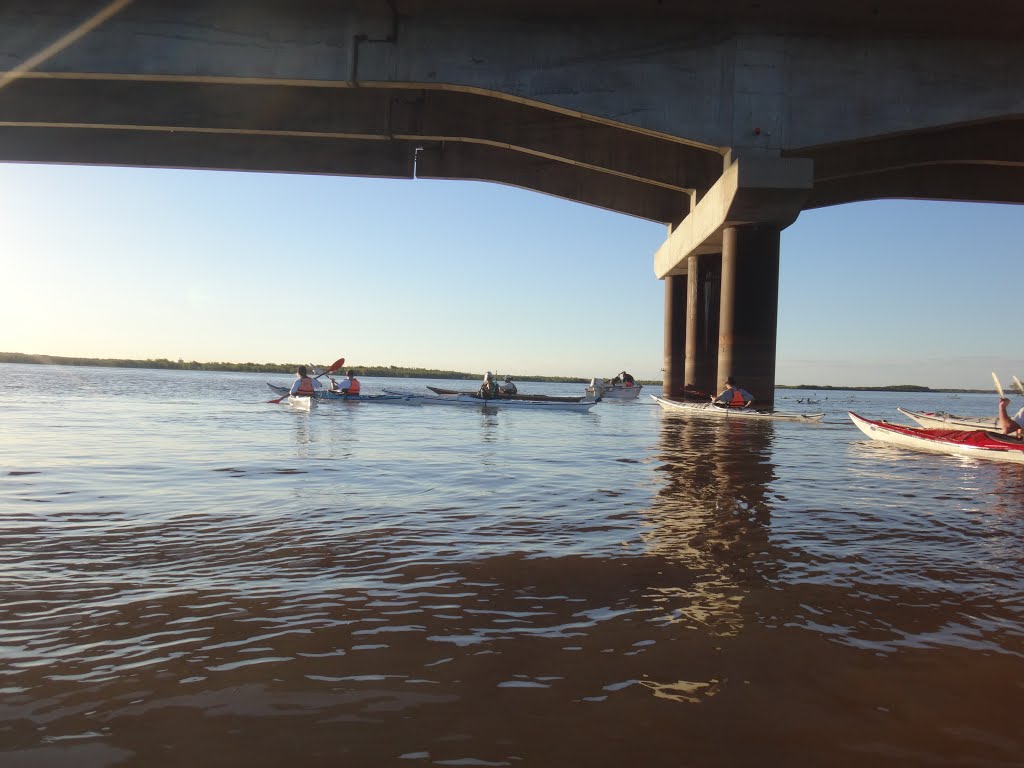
(999, 387)
(336, 365)
(1017, 383)
(278, 400)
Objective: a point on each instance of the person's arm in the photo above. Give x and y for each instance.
(295, 387)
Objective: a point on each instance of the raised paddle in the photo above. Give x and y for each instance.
(999, 387)
(334, 366)
(1017, 383)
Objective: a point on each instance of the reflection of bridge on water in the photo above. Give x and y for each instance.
(712, 517)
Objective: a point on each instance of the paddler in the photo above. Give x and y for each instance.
(489, 389)
(348, 385)
(1014, 426)
(733, 396)
(303, 385)
(507, 388)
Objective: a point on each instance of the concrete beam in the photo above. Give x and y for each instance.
(346, 112)
(962, 182)
(752, 190)
(481, 162)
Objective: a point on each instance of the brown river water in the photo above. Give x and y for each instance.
(190, 576)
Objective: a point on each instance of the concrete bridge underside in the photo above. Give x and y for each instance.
(721, 120)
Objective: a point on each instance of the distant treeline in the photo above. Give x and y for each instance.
(392, 371)
(890, 388)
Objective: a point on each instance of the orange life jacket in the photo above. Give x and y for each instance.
(305, 387)
(353, 388)
(737, 400)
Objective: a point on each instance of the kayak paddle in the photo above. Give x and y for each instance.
(334, 366)
(999, 387)
(1020, 387)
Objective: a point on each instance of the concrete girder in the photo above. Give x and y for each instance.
(992, 143)
(751, 191)
(953, 182)
(480, 162)
(430, 115)
(207, 151)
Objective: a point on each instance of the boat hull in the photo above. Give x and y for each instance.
(616, 392)
(552, 398)
(338, 397)
(718, 412)
(941, 420)
(468, 401)
(975, 444)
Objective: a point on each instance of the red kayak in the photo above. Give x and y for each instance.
(977, 444)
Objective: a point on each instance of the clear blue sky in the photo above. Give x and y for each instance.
(216, 266)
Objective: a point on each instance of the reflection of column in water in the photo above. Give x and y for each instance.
(712, 515)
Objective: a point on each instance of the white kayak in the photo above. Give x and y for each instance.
(943, 420)
(302, 403)
(977, 443)
(718, 411)
(469, 401)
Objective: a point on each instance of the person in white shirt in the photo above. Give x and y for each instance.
(303, 384)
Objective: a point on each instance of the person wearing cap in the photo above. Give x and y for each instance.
(733, 396)
(303, 385)
(489, 389)
(349, 385)
(507, 387)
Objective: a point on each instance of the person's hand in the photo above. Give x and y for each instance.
(1004, 401)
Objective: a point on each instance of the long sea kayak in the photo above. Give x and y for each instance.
(468, 401)
(943, 420)
(326, 394)
(977, 444)
(717, 411)
(517, 396)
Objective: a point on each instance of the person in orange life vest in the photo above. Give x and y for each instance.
(1006, 424)
(733, 396)
(349, 385)
(303, 384)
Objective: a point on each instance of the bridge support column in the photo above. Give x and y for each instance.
(676, 332)
(702, 312)
(750, 309)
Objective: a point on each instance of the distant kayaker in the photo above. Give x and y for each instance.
(303, 385)
(489, 389)
(507, 387)
(349, 385)
(733, 396)
(1014, 426)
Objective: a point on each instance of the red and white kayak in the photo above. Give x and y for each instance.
(976, 444)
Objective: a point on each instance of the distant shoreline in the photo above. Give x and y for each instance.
(398, 372)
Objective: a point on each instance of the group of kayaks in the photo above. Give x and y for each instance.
(938, 432)
(977, 437)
